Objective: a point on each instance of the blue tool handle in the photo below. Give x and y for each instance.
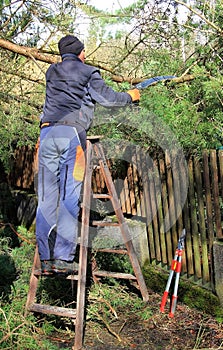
(144, 84)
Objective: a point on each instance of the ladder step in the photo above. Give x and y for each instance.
(104, 223)
(53, 310)
(101, 273)
(58, 275)
(101, 196)
(114, 251)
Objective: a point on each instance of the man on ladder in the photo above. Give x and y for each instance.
(72, 89)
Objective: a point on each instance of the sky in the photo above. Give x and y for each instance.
(111, 4)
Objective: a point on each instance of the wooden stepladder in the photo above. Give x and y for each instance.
(94, 151)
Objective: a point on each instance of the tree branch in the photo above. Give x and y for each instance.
(9, 98)
(211, 24)
(28, 52)
(22, 76)
(33, 53)
(12, 15)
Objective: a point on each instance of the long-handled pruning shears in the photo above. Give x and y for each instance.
(175, 268)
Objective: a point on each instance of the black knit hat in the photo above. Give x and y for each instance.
(70, 44)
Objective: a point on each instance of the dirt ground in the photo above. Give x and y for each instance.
(188, 329)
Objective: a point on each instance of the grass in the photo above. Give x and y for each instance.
(37, 331)
(105, 301)
(16, 330)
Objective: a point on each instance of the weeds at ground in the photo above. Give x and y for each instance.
(116, 316)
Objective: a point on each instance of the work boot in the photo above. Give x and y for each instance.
(65, 267)
(46, 266)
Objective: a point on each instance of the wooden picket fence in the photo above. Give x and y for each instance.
(153, 191)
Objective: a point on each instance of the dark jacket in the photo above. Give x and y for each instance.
(73, 88)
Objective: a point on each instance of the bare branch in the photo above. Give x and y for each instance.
(211, 24)
(22, 76)
(9, 98)
(13, 14)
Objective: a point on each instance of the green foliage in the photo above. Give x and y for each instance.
(196, 297)
(105, 302)
(15, 131)
(16, 330)
(33, 332)
(116, 262)
(8, 235)
(179, 108)
(31, 19)
(7, 274)
(147, 42)
(114, 299)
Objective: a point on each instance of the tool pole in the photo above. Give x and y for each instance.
(165, 294)
(174, 296)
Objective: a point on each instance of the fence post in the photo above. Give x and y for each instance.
(218, 267)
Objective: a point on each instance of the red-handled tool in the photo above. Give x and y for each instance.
(175, 268)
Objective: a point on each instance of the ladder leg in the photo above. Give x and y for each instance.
(123, 224)
(137, 270)
(79, 327)
(33, 282)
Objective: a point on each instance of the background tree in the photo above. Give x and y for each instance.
(146, 39)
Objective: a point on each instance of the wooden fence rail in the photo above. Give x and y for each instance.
(168, 196)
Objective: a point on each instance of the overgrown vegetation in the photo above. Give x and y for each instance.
(110, 306)
(150, 39)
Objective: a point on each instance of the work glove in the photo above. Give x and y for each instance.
(135, 95)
